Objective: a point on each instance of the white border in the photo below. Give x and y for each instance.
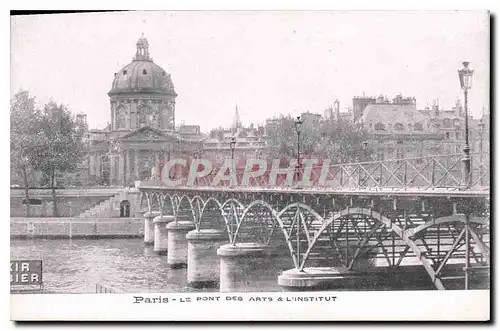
(371, 306)
(396, 303)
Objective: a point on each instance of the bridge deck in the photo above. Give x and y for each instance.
(358, 192)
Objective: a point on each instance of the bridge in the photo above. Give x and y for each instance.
(350, 221)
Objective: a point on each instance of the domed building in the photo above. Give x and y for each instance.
(142, 134)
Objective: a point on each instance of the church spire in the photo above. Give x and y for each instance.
(142, 53)
(236, 119)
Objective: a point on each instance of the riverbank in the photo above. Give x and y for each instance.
(57, 228)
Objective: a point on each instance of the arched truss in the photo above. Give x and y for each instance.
(437, 244)
(350, 237)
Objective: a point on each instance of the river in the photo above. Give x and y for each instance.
(127, 266)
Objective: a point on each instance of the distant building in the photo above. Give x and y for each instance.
(250, 142)
(397, 129)
(142, 135)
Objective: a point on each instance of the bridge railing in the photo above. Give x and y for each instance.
(421, 173)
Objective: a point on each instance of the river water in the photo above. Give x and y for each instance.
(127, 266)
(123, 265)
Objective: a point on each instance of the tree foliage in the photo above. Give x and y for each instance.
(60, 147)
(338, 140)
(24, 126)
(47, 140)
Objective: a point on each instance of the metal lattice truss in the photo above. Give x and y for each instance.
(354, 237)
(422, 173)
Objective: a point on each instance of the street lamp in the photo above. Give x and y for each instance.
(465, 77)
(298, 126)
(365, 151)
(232, 144)
(115, 151)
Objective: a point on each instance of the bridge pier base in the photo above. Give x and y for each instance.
(318, 279)
(235, 261)
(149, 233)
(177, 243)
(161, 233)
(203, 267)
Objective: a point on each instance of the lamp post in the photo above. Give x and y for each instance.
(465, 77)
(232, 144)
(365, 151)
(365, 159)
(116, 152)
(298, 126)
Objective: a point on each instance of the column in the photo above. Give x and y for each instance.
(177, 243)
(235, 262)
(130, 167)
(121, 168)
(136, 163)
(203, 266)
(112, 175)
(160, 233)
(149, 234)
(157, 163)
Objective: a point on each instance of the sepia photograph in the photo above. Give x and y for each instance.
(249, 158)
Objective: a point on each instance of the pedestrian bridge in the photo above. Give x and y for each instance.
(349, 219)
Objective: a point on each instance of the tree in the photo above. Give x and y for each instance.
(338, 140)
(59, 147)
(25, 120)
(344, 142)
(282, 138)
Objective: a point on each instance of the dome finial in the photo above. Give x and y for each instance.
(142, 53)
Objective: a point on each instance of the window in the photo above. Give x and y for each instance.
(33, 202)
(457, 135)
(447, 135)
(145, 116)
(379, 127)
(124, 72)
(446, 123)
(418, 127)
(120, 118)
(144, 72)
(398, 127)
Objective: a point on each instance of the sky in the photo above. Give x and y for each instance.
(266, 63)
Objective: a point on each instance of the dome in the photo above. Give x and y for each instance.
(142, 75)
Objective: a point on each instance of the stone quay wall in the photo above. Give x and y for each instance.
(57, 228)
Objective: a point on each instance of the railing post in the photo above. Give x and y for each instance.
(466, 167)
(359, 176)
(381, 175)
(481, 166)
(405, 174)
(467, 252)
(433, 173)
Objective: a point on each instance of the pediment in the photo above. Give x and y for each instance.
(145, 133)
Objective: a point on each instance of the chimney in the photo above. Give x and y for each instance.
(336, 105)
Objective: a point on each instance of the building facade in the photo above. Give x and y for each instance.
(397, 129)
(250, 143)
(142, 135)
